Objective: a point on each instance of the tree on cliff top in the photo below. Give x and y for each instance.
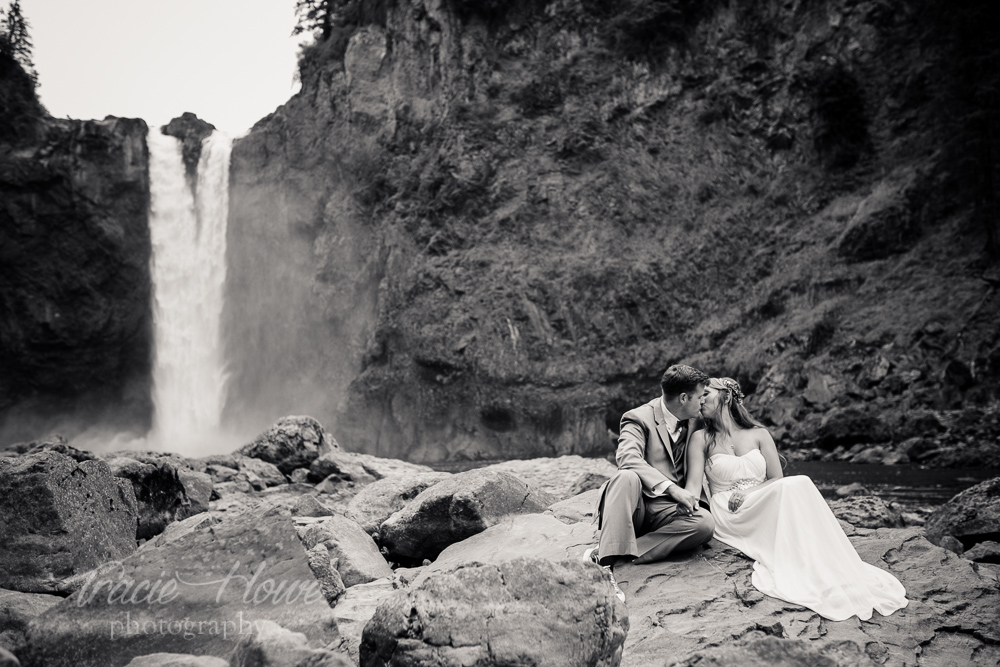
(15, 41)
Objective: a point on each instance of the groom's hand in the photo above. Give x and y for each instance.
(687, 502)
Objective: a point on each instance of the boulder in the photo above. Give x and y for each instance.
(355, 608)
(177, 660)
(702, 601)
(588, 481)
(60, 517)
(340, 465)
(378, 501)
(526, 611)
(530, 535)
(56, 444)
(309, 506)
(972, 516)
(200, 592)
(866, 512)
(292, 442)
(16, 609)
(984, 552)
(260, 474)
(271, 645)
(578, 508)
(220, 473)
(455, 509)
(557, 475)
(353, 551)
(163, 492)
(8, 659)
(856, 489)
(379, 467)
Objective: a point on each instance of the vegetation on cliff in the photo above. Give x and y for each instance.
(510, 217)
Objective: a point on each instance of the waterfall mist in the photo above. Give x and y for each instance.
(188, 234)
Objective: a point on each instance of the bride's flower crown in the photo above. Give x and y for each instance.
(734, 388)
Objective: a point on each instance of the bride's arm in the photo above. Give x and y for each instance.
(696, 463)
(770, 452)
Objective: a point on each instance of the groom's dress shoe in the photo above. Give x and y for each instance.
(591, 555)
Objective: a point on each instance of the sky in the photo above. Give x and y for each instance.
(231, 62)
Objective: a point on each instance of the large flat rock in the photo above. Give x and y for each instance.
(526, 611)
(200, 590)
(699, 606)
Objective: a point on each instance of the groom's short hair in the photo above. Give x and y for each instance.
(680, 379)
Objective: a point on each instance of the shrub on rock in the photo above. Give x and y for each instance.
(293, 442)
(60, 517)
(454, 509)
(517, 612)
(972, 516)
(378, 501)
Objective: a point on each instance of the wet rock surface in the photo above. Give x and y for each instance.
(59, 518)
(702, 608)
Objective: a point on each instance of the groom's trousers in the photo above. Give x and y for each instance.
(648, 528)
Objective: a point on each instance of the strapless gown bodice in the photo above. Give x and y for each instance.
(726, 471)
(800, 551)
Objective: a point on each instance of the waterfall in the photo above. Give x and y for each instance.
(188, 271)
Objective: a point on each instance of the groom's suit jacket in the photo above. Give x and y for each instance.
(646, 448)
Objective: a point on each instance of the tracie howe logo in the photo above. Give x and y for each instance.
(110, 584)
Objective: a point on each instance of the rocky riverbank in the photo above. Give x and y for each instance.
(292, 552)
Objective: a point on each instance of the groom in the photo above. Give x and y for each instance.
(645, 514)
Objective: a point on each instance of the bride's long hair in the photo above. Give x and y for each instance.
(733, 402)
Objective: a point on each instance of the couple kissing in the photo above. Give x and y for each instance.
(692, 463)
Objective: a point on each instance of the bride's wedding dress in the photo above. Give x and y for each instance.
(802, 554)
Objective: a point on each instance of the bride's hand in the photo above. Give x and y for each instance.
(736, 500)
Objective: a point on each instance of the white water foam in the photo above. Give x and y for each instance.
(189, 272)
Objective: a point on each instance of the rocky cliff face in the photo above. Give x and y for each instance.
(75, 294)
(483, 230)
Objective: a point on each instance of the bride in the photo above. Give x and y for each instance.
(802, 555)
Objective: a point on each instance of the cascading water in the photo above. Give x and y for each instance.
(188, 268)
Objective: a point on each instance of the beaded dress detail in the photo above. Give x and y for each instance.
(800, 551)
